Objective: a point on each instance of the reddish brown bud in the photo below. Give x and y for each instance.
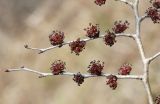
(96, 67)
(109, 38)
(57, 67)
(78, 78)
(56, 38)
(125, 69)
(155, 3)
(112, 81)
(100, 2)
(92, 31)
(157, 100)
(77, 46)
(120, 27)
(154, 14)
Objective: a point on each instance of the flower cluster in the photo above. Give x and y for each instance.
(78, 78)
(120, 27)
(112, 81)
(154, 12)
(57, 67)
(100, 2)
(96, 67)
(77, 46)
(56, 38)
(125, 69)
(109, 38)
(157, 100)
(155, 3)
(92, 31)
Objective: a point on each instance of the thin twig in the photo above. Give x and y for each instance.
(41, 74)
(42, 50)
(126, 2)
(154, 57)
(143, 17)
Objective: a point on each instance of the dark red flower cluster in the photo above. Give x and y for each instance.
(56, 38)
(155, 3)
(154, 12)
(78, 78)
(109, 38)
(96, 67)
(112, 81)
(125, 69)
(92, 31)
(157, 100)
(57, 67)
(100, 2)
(77, 46)
(120, 27)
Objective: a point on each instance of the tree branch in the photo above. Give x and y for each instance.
(42, 50)
(148, 90)
(138, 20)
(41, 74)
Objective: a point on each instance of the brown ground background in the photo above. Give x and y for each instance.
(31, 21)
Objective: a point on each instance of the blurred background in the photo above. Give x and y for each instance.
(31, 21)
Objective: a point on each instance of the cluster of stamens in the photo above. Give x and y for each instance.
(78, 78)
(109, 38)
(120, 27)
(57, 67)
(96, 67)
(125, 69)
(100, 2)
(77, 46)
(92, 31)
(112, 81)
(56, 38)
(155, 3)
(154, 11)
